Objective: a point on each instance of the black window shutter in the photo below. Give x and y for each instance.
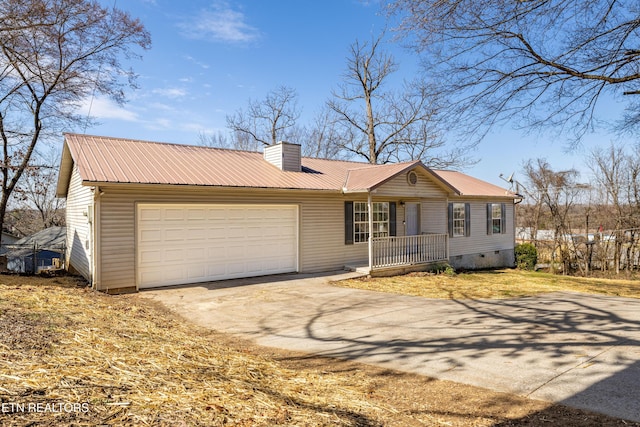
(348, 223)
(450, 219)
(392, 219)
(467, 219)
(503, 219)
(489, 218)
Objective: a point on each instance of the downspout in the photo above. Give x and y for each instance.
(95, 265)
(370, 210)
(516, 202)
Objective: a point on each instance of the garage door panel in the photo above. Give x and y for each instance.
(151, 215)
(216, 270)
(196, 214)
(197, 254)
(236, 213)
(151, 235)
(235, 268)
(196, 234)
(180, 244)
(174, 214)
(174, 255)
(173, 234)
(151, 256)
(196, 271)
(170, 278)
(235, 252)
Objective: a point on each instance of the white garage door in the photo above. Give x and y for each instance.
(192, 243)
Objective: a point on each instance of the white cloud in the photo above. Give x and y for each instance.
(104, 108)
(160, 106)
(220, 24)
(172, 92)
(159, 124)
(195, 61)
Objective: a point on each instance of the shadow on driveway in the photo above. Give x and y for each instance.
(577, 349)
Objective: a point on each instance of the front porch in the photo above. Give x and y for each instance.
(403, 254)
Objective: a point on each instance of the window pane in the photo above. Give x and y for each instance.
(379, 218)
(458, 219)
(496, 218)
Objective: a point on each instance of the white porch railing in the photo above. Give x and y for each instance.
(408, 250)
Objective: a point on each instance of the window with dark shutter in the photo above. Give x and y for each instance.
(392, 219)
(459, 219)
(348, 223)
(356, 221)
(467, 220)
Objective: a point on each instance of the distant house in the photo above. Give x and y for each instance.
(147, 214)
(42, 250)
(7, 239)
(525, 234)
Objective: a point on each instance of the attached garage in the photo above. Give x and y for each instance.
(191, 243)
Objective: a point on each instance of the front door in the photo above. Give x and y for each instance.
(412, 219)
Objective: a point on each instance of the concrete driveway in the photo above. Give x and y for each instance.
(580, 350)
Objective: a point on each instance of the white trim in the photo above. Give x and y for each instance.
(370, 207)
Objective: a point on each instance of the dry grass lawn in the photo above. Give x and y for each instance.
(71, 356)
(493, 284)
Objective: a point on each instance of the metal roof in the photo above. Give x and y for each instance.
(466, 185)
(106, 160)
(52, 238)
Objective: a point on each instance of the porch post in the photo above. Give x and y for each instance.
(370, 209)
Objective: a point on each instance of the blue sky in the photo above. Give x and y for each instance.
(209, 58)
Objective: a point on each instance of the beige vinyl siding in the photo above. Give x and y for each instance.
(479, 241)
(79, 205)
(399, 187)
(291, 160)
(321, 232)
(273, 155)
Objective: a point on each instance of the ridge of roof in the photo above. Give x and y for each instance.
(377, 166)
(163, 143)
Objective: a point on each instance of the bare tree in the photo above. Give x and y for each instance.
(216, 139)
(321, 139)
(53, 55)
(37, 191)
(267, 121)
(616, 172)
(557, 192)
(385, 125)
(545, 62)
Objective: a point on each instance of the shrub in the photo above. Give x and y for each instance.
(526, 256)
(443, 267)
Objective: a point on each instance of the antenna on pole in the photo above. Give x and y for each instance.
(511, 182)
(509, 179)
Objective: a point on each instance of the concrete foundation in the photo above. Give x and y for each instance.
(491, 259)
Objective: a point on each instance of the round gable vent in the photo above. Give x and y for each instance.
(412, 178)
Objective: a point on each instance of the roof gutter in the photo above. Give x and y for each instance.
(89, 183)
